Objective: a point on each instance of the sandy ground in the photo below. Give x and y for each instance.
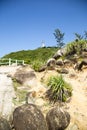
(77, 106)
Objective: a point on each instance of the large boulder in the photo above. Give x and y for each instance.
(4, 125)
(42, 68)
(57, 119)
(59, 62)
(63, 71)
(51, 63)
(60, 53)
(79, 65)
(28, 117)
(22, 75)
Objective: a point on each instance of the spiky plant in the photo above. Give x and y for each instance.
(59, 89)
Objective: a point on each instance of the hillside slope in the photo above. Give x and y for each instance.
(39, 54)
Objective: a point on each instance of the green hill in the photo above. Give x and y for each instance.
(29, 56)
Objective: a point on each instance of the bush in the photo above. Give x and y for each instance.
(59, 89)
(76, 47)
(36, 65)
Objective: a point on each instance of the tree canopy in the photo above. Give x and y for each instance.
(59, 36)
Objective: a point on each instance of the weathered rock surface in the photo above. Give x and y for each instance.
(60, 53)
(28, 117)
(4, 125)
(51, 62)
(43, 68)
(22, 75)
(57, 119)
(59, 62)
(79, 66)
(63, 71)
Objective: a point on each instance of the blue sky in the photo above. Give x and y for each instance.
(24, 24)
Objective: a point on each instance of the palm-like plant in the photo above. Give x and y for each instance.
(59, 89)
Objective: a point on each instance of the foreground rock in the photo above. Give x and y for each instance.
(28, 117)
(4, 125)
(57, 119)
(79, 66)
(51, 63)
(23, 75)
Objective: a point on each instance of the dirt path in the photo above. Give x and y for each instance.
(6, 91)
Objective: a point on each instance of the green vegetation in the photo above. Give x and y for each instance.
(76, 47)
(30, 56)
(59, 89)
(59, 36)
(36, 65)
(20, 94)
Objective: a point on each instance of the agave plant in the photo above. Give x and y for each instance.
(59, 89)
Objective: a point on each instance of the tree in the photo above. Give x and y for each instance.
(85, 35)
(59, 36)
(78, 36)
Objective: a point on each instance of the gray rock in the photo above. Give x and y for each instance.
(57, 119)
(28, 117)
(21, 76)
(60, 53)
(51, 62)
(63, 71)
(43, 68)
(79, 66)
(59, 62)
(4, 125)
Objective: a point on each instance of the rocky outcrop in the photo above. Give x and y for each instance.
(51, 63)
(60, 53)
(4, 125)
(28, 117)
(79, 66)
(59, 62)
(42, 68)
(22, 75)
(57, 119)
(63, 71)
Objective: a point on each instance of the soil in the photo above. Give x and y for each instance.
(76, 106)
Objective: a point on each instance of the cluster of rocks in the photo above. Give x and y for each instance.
(30, 117)
(56, 61)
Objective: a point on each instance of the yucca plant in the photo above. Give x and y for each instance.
(59, 89)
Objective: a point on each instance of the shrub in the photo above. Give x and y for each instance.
(76, 47)
(59, 89)
(36, 65)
